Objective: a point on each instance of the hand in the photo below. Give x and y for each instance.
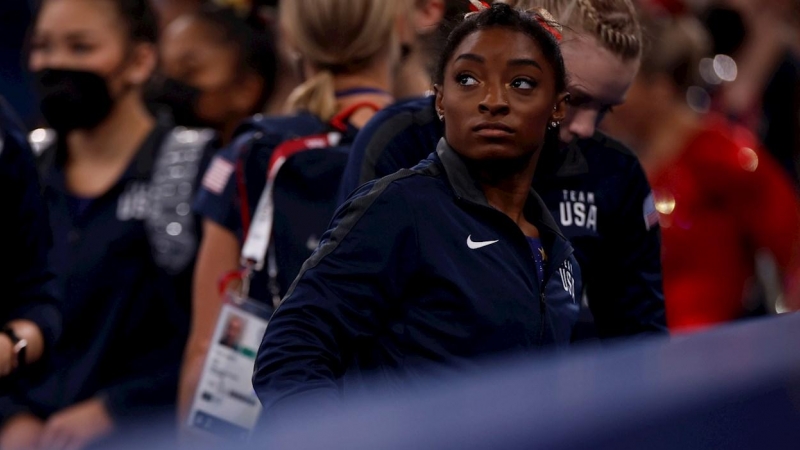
(75, 427)
(8, 358)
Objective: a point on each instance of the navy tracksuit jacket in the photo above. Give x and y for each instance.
(30, 289)
(399, 287)
(595, 189)
(125, 261)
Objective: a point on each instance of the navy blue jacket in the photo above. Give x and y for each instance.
(30, 290)
(395, 288)
(304, 195)
(125, 260)
(596, 190)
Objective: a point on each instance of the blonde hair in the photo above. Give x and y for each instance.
(615, 23)
(676, 45)
(335, 36)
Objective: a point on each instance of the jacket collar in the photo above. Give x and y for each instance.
(140, 167)
(466, 188)
(563, 162)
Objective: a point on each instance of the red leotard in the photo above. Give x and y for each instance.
(720, 201)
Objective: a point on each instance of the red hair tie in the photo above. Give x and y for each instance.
(477, 5)
(548, 22)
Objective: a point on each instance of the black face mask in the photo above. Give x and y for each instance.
(73, 99)
(178, 99)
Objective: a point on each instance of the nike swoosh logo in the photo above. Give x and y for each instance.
(476, 245)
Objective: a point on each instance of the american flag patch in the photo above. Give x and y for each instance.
(217, 176)
(650, 212)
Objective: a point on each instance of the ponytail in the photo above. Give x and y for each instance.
(316, 95)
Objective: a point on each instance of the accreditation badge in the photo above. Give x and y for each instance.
(225, 402)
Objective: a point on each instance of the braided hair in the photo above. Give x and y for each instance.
(615, 23)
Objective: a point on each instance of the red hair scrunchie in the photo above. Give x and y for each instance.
(545, 20)
(477, 5)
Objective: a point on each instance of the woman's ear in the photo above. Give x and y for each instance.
(428, 14)
(143, 63)
(560, 108)
(437, 89)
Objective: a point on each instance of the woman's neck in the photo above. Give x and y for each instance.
(287, 79)
(413, 79)
(506, 187)
(228, 130)
(375, 76)
(97, 158)
(117, 138)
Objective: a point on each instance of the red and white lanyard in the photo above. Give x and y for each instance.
(258, 232)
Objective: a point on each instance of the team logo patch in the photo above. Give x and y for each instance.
(217, 176)
(567, 280)
(650, 212)
(577, 208)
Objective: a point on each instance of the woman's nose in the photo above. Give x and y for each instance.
(582, 123)
(495, 100)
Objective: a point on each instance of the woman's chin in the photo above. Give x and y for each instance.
(500, 151)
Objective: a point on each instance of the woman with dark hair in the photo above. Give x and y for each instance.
(118, 187)
(268, 197)
(593, 186)
(218, 69)
(449, 262)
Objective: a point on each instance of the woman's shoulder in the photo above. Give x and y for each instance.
(722, 145)
(420, 182)
(607, 150)
(276, 129)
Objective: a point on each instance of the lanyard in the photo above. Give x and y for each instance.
(258, 229)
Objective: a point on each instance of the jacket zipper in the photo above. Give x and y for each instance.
(548, 273)
(545, 280)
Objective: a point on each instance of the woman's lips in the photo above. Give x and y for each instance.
(493, 130)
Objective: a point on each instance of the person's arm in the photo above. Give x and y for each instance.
(32, 292)
(766, 202)
(624, 284)
(218, 255)
(34, 345)
(219, 203)
(142, 378)
(344, 294)
(145, 396)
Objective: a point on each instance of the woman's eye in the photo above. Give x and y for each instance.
(606, 109)
(603, 112)
(80, 47)
(466, 80)
(39, 45)
(523, 83)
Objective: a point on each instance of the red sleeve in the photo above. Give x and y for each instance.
(761, 196)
